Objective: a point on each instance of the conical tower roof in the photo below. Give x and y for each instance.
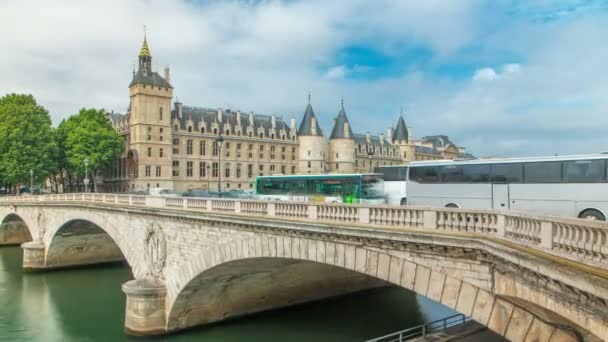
(400, 130)
(306, 126)
(339, 131)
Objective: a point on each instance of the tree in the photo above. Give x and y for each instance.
(26, 141)
(89, 135)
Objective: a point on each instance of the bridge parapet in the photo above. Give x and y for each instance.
(580, 240)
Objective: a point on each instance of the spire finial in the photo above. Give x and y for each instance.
(145, 51)
(309, 97)
(401, 113)
(342, 102)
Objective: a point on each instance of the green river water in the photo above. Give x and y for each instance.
(88, 305)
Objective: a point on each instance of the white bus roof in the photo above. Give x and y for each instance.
(504, 160)
(324, 175)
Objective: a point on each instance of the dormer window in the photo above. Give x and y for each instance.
(189, 128)
(175, 128)
(202, 129)
(215, 131)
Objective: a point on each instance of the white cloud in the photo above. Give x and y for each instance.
(485, 74)
(265, 56)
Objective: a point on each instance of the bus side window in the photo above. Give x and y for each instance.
(543, 172)
(584, 171)
(476, 173)
(425, 174)
(507, 173)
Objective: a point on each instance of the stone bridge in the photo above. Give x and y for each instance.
(196, 261)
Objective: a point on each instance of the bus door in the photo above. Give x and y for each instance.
(500, 196)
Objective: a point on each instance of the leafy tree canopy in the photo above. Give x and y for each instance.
(27, 141)
(89, 135)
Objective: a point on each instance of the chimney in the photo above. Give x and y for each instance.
(409, 135)
(273, 120)
(178, 106)
(382, 138)
(389, 134)
(346, 130)
(368, 137)
(220, 115)
(238, 116)
(167, 74)
(313, 125)
(250, 118)
(293, 123)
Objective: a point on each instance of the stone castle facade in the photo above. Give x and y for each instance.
(182, 147)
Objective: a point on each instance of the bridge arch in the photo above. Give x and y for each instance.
(236, 262)
(14, 230)
(82, 238)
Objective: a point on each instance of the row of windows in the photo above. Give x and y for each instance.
(580, 171)
(377, 150)
(225, 186)
(204, 168)
(190, 129)
(202, 149)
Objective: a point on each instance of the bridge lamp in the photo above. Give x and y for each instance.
(219, 141)
(370, 155)
(86, 177)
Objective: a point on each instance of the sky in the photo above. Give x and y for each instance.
(499, 77)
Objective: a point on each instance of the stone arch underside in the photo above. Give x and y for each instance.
(81, 242)
(14, 230)
(200, 291)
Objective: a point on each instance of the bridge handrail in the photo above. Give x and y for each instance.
(578, 239)
(423, 330)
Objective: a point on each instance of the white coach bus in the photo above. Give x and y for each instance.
(575, 186)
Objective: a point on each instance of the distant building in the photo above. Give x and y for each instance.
(177, 146)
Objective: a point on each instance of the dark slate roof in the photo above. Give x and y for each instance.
(338, 130)
(151, 78)
(438, 140)
(400, 130)
(306, 124)
(115, 117)
(427, 150)
(374, 139)
(210, 116)
(466, 156)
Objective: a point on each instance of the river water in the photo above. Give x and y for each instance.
(88, 305)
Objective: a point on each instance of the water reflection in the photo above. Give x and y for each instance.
(88, 305)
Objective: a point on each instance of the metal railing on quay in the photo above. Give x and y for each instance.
(423, 330)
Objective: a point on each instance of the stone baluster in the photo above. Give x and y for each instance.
(237, 206)
(271, 209)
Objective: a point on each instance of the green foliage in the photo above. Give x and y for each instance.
(26, 140)
(88, 135)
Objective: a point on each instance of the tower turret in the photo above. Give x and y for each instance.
(342, 145)
(313, 146)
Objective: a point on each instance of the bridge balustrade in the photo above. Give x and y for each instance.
(577, 239)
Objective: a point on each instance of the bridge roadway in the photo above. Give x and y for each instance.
(196, 261)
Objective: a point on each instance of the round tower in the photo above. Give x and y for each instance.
(341, 145)
(402, 139)
(312, 144)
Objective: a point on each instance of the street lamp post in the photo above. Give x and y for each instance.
(370, 155)
(86, 175)
(219, 140)
(31, 180)
(208, 179)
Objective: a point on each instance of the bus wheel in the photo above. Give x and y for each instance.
(452, 205)
(592, 214)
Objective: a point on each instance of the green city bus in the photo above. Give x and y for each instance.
(332, 188)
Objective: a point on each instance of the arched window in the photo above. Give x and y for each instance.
(175, 128)
(189, 128)
(261, 135)
(215, 131)
(202, 129)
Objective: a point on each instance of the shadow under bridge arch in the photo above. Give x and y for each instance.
(14, 230)
(81, 242)
(246, 286)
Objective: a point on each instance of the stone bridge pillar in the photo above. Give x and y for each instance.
(33, 256)
(145, 308)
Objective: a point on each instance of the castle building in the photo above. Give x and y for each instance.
(182, 147)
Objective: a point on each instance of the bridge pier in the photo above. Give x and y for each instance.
(33, 256)
(145, 307)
